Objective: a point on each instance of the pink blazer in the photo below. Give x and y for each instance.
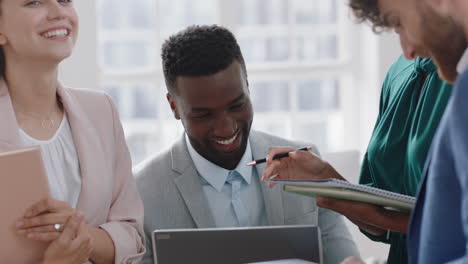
(109, 198)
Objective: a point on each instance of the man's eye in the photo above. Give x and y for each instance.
(202, 116)
(397, 25)
(237, 106)
(395, 22)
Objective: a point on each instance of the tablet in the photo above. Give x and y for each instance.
(23, 183)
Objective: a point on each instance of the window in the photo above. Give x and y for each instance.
(295, 52)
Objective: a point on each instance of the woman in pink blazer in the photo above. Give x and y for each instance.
(101, 217)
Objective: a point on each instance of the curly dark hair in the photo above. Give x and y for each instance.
(199, 51)
(368, 10)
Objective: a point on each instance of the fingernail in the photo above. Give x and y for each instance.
(21, 231)
(19, 223)
(31, 235)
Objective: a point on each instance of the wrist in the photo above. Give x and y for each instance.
(103, 249)
(93, 233)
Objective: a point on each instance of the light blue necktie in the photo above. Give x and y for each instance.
(235, 179)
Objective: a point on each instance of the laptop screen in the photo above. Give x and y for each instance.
(237, 245)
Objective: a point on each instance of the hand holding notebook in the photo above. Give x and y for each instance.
(306, 166)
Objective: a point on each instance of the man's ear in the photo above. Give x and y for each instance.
(173, 105)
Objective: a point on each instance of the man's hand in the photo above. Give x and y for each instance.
(299, 165)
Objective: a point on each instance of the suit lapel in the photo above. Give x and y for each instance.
(188, 182)
(9, 137)
(272, 197)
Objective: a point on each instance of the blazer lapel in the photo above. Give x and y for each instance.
(87, 147)
(83, 136)
(272, 197)
(189, 185)
(9, 136)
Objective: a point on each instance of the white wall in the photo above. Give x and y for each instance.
(377, 53)
(80, 70)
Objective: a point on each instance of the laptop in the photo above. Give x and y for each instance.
(237, 245)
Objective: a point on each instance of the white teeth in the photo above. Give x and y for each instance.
(56, 33)
(228, 141)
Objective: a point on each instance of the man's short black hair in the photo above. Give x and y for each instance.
(199, 51)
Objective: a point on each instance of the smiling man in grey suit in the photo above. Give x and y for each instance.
(202, 180)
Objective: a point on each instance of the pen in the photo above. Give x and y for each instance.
(277, 156)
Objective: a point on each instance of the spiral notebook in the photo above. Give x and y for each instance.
(347, 191)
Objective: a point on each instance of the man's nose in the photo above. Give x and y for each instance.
(409, 50)
(225, 126)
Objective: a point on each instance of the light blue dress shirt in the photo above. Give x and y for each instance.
(218, 192)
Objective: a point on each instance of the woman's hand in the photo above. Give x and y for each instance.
(74, 244)
(299, 165)
(374, 219)
(39, 220)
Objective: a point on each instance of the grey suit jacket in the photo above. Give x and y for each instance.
(173, 198)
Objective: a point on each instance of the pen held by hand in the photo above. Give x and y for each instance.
(277, 156)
